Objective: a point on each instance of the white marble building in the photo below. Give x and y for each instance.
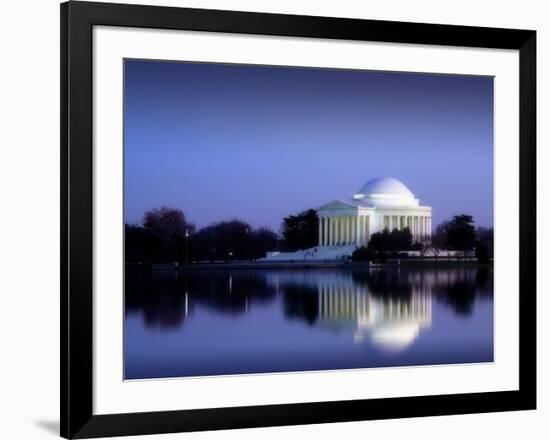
(381, 203)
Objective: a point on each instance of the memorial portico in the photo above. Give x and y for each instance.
(381, 203)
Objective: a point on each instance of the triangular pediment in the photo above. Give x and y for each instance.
(336, 205)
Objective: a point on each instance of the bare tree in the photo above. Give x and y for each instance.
(170, 230)
(438, 240)
(425, 242)
(167, 221)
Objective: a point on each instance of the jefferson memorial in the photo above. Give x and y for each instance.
(381, 203)
(345, 225)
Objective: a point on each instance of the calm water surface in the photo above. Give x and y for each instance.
(208, 322)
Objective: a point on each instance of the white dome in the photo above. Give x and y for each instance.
(386, 191)
(385, 186)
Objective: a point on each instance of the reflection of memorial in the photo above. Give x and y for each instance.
(391, 323)
(386, 306)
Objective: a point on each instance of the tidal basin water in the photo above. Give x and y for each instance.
(224, 321)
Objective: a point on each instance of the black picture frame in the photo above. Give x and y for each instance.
(77, 21)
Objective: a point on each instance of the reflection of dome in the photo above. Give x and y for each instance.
(386, 191)
(395, 336)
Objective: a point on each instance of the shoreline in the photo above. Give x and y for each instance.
(391, 263)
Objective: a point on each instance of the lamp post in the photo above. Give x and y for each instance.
(247, 245)
(187, 246)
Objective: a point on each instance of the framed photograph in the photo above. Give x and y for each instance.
(276, 219)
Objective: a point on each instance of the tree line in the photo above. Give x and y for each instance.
(165, 235)
(458, 234)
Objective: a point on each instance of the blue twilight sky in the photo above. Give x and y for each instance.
(259, 142)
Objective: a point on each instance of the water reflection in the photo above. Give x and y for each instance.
(286, 320)
(391, 304)
(383, 304)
